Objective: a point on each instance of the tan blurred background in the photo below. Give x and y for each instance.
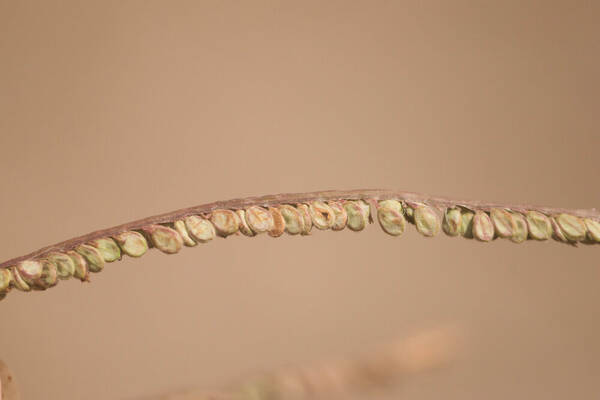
(113, 111)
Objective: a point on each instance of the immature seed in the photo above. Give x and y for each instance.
(48, 278)
(278, 222)
(294, 222)
(573, 227)
(593, 229)
(427, 221)
(108, 248)
(504, 225)
(466, 227)
(452, 222)
(539, 225)
(259, 219)
(64, 265)
(201, 229)
(358, 215)
(18, 282)
(340, 216)
(81, 270)
(132, 243)
(244, 228)
(557, 233)
(30, 270)
(305, 212)
(179, 226)
(5, 279)
(226, 222)
(92, 255)
(164, 238)
(483, 228)
(391, 217)
(321, 214)
(521, 231)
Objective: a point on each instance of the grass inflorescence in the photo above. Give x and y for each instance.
(296, 214)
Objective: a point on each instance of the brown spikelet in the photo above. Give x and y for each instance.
(278, 222)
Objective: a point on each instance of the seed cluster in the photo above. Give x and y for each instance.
(393, 216)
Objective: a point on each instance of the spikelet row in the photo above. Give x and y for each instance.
(297, 219)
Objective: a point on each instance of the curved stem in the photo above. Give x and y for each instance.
(292, 198)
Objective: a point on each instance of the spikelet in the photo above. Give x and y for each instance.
(294, 222)
(108, 248)
(132, 243)
(340, 216)
(278, 222)
(322, 215)
(358, 215)
(179, 226)
(452, 221)
(65, 267)
(259, 219)
(164, 238)
(483, 228)
(200, 228)
(391, 217)
(226, 222)
(95, 261)
(427, 220)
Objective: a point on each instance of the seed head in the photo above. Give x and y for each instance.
(593, 230)
(244, 228)
(201, 229)
(259, 219)
(340, 216)
(539, 225)
(132, 243)
(5, 280)
(391, 217)
(294, 222)
(164, 238)
(573, 227)
(427, 221)
(18, 282)
(483, 228)
(278, 222)
(226, 222)
(30, 270)
(179, 226)
(452, 222)
(504, 224)
(81, 270)
(322, 215)
(521, 231)
(108, 248)
(92, 255)
(64, 264)
(358, 215)
(305, 212)
(48, 278)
